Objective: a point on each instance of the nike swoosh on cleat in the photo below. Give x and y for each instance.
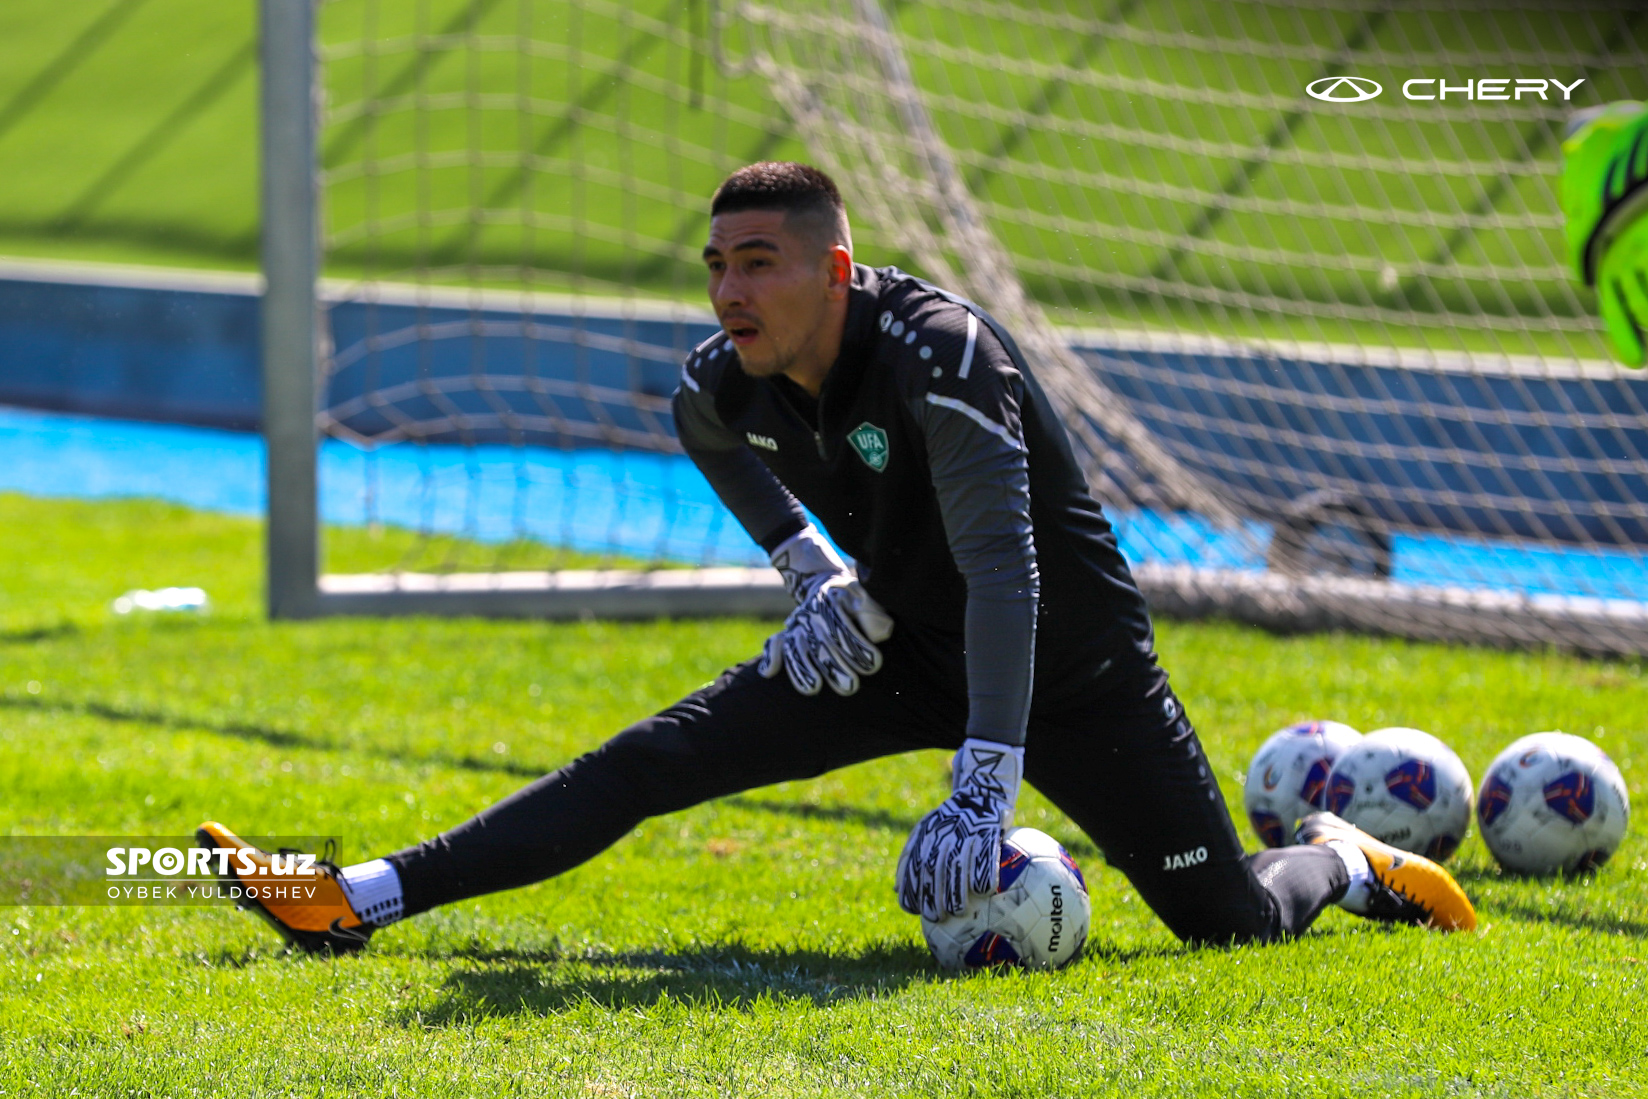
(342, 932)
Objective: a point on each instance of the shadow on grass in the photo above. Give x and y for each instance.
(1569, 910)
(32, 634)
(244, 958)
(502, 983)
(876, 819)
(1565, 916)
(873, 819)
(264, 734)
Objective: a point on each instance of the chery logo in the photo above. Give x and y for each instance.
(1356, 89)
(1343, 89)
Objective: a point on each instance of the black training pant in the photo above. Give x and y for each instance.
(1110, 746)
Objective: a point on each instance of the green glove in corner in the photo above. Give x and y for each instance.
(1605, 203)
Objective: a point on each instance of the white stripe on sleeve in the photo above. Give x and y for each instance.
(972, 341)
(977, 417)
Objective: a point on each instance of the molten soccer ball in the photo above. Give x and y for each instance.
(1289, 776)
(1036, 919)
(1552, 802)
(1404, 787)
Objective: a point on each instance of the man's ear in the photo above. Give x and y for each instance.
(840, 263)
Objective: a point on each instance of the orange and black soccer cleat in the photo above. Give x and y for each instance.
(310, 911)
(1405, 888)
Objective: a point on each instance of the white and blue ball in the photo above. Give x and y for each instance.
(1288, 777)
(1037, 919)
(1405, 787)
(1552, 802)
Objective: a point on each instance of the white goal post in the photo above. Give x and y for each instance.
(292, 353)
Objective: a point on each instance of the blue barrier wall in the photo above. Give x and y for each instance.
(1522, 454)
(158, 353)
(1553, 454)
(184, 349)
(449, 372)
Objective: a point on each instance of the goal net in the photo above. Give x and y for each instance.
(1321, 358)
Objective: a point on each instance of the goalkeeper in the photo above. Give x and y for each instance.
(1605, 200)
(990, 613)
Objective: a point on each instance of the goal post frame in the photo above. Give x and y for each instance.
(290, 231)
(291, 346)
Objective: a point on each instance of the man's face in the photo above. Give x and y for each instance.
(770, 285)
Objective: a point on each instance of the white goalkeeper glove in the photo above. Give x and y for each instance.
(831, 636)
(956, 849)
(805, 560)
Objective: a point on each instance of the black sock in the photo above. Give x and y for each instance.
(1304, 879)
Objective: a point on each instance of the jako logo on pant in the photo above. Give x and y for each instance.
(1189, 858)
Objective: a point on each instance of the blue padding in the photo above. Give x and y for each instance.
(1517, 455)
(177, 356)
(638, 504)
(52, 454)
(651, 506)
(191, 357)
(1555, 459)
(505, 366)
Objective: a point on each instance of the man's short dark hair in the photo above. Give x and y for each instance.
(800, 190)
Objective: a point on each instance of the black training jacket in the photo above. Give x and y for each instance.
(935, 461)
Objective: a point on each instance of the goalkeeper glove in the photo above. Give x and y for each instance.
(1622, 287)
(831, 638)
(805, 560)
(1605, 202)
(831, 635)
(956, 849)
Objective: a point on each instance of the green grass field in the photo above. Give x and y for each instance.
(750, 946)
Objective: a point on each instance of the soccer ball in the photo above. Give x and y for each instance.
(1552, 802)
(1406, 788)
(1037, 918)
(1289, 776)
